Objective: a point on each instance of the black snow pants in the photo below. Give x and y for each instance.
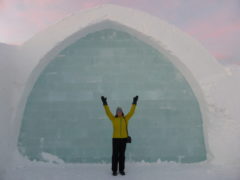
(118, 154)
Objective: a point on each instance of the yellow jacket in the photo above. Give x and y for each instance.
(119, 123)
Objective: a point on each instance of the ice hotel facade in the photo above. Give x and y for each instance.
(53, 83)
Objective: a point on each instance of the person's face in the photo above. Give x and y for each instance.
(119, 113)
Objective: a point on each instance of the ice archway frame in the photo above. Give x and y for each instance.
(188, 56)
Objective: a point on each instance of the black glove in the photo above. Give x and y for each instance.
(104, 100)
(135, 99)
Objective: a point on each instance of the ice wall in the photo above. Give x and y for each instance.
(64, 115)
(7, 75)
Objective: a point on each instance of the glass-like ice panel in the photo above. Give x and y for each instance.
(64, 114)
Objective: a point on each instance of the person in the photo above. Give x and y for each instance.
(120, 134)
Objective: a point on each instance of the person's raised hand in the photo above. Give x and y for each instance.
(104, 100)
(135, 99)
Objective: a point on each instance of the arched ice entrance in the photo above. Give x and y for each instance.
(54, 50)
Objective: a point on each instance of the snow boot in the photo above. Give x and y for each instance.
(114, 173)
(122, 173)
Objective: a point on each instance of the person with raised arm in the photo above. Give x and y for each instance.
(120, 134)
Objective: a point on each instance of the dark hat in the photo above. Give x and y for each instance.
(119, 109)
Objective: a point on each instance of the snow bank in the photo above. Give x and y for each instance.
(223, 101)
(51, 158)
(7, 80)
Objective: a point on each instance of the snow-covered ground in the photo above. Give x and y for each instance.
(134, 171)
